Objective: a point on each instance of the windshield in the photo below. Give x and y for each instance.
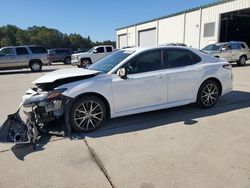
(110, 61)
(90, 50)
(212, 47)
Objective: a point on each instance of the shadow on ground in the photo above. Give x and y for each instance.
(187, 114)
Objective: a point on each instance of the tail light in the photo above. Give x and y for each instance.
(227, 66)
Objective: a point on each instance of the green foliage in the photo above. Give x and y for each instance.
(11, 35)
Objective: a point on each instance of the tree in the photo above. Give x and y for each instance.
(47, 37)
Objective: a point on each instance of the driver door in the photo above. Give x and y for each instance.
(145, 85)
(98, 53)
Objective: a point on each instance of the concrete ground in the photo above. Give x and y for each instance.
(179, 147)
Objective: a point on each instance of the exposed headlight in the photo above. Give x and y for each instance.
(56, 93)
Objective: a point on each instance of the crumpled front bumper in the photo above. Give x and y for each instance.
(43, 115)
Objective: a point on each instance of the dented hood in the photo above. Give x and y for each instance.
(65, 73)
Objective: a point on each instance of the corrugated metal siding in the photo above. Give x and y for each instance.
(132, 36)
(192, 29)
(171, 30)
(212, 14)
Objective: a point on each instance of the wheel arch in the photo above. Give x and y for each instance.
(98, 95)
(216, 80)
(35, 60)
(87, 58)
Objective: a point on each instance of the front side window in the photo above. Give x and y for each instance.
(99, 50)
(212, 47)
(21, 51)
(145, 62)
(7, 51)
(179, 58)
(227, 47)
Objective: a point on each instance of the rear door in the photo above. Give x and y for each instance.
(21, 57)
(184, 74)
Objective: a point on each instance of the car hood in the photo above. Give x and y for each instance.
(65, 74)
(80, 54)
(210, 52)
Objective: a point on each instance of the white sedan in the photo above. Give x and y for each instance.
(128, 81)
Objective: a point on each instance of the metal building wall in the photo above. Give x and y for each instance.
(171, 29)
(192, 29)
(187, 27)
(212, 14)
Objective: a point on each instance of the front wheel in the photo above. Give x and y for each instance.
(242, 61)
(85, 63)
(208, 94)
(87, 114)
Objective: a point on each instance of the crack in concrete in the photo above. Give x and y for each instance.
(99, 163)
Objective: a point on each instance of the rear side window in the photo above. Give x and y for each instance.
(179, 58)
(38, 50)
(109, 49)
(235, 46)
(145, 62)
(21, 51)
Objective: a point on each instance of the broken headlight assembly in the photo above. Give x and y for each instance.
(44, 111)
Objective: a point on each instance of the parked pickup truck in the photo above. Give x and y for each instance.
(17, 57)
(91, 56)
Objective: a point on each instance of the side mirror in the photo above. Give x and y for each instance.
(223, 49)
(122, 73)
(95, 51)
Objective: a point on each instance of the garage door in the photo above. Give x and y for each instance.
(147, 37)
(122, 41)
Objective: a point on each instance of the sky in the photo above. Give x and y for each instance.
(95, 18)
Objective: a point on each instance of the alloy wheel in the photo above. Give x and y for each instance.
(88, 115)
(209, 95)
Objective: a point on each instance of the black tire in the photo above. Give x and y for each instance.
(85, 63)
(67, 60)
(35, 66)
(208, 94)
(82, 119)
(242, 61)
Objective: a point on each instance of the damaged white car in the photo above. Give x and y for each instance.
(128, 81)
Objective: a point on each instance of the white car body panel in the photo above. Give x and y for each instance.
(64, 73)
(146, 91)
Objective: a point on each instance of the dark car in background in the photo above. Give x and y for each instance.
(60, 55)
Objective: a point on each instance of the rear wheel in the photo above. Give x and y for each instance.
(208, 94)
(87, 114)
(242, 61)
(36, 66)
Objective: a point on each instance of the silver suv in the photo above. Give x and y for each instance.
(17, 57)
(230, 51)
